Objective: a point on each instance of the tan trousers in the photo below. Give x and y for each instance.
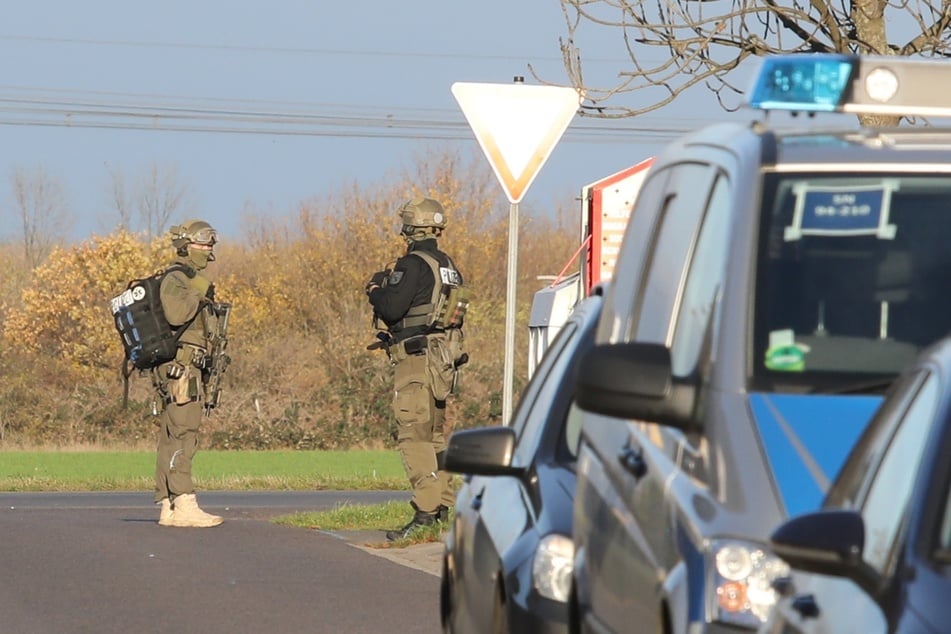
(177, 444)
(421, 434)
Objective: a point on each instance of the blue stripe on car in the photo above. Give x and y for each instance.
(807, 438)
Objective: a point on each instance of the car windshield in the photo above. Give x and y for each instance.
(851, 278)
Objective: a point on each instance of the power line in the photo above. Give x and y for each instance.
(60, 108)
(294, 50)
(631, 136)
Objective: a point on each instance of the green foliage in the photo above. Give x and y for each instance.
(63, 310)
(350, 517)
(301, 377)
(369, 517)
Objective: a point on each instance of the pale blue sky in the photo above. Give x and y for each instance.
(364, 59)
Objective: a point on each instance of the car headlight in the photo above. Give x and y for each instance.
(552, 566)
(742, 577)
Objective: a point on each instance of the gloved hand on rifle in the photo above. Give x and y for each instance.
(376, 280)
(205, 287)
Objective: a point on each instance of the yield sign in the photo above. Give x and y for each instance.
(517, 126)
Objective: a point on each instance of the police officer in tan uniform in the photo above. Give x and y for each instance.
(186, 296)
(424, 342)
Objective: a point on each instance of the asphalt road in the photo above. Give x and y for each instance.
(99, 562)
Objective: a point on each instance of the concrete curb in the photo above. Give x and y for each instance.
(423, 557)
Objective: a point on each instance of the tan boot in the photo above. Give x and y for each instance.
(186, 513)
(165, 516)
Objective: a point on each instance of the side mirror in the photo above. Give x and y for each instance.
(485, 451)
(635, 380)
(826, 542)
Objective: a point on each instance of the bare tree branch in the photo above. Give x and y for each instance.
(41, 207)
(160, 196)
(704, 43)
(149, 204)
(120, 200)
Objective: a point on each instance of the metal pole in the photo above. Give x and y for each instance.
(510, 285)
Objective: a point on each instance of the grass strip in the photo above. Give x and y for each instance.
(366, 517)
(213, 470)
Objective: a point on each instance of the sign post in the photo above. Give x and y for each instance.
(517, 127)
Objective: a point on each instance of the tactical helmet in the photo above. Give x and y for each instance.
(422, 217)
(193, 232)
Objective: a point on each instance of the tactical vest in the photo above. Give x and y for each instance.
(147, 337)
(449, 302)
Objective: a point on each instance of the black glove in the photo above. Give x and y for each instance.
(210, 293)
(376, 279)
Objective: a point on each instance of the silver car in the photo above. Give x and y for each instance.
(771, 285)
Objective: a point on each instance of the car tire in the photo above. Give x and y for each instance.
(574, 619)
(447, 601)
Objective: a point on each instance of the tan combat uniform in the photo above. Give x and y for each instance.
(183, 397)
(421, 379)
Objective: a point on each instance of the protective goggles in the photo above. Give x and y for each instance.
(206, 237)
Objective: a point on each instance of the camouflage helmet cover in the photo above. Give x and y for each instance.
(423, 212)
(193, 232)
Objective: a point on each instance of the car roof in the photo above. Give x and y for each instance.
(896, 149)
(826, 94)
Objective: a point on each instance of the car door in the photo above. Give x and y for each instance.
(598, 488)
(640, 549)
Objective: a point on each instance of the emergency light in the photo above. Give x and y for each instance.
(828, 82)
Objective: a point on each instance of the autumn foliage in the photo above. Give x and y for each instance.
(301, 376)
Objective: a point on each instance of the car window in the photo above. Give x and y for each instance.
(619, 303)
(707, 266)
(553, 407)
(689, 190)
(886, 499)
(865, 456)
(851, 276)
(521, 417)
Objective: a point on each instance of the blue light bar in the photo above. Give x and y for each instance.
(804, 82)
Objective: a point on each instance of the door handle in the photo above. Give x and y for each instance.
(476, 502)
(806, 605)
(632, 459)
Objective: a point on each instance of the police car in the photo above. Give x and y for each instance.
(876, 557)
(772, 283)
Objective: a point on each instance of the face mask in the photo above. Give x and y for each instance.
(200, 257)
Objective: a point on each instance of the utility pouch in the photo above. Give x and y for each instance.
(415, 345)
(442, 362)
(184, 389)
(451, 307)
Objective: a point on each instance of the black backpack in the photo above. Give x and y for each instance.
(149, 340)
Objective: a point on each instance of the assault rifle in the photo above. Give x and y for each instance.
(217, 361)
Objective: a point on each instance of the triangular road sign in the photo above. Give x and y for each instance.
(517, 126)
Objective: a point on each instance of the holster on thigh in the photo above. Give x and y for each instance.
(413, 400)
